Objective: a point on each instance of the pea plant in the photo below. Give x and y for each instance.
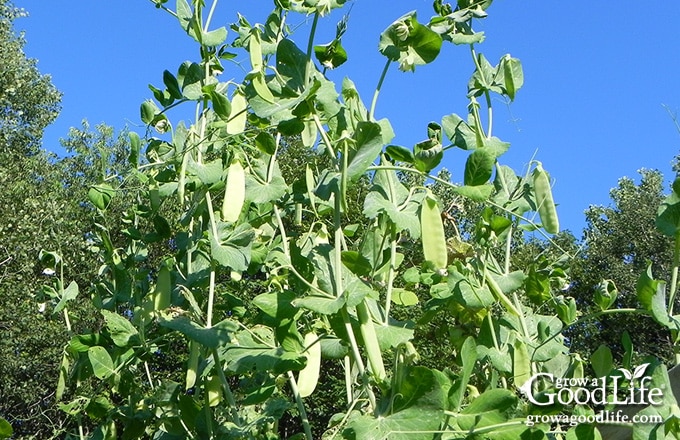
(256, 284)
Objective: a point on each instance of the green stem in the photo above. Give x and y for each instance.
(347, 364)
(357, 357)
(211, 287)
(148, 374)
(326, 140)
(508, 249)
(489, 107)
(301, 406)
(489, 111)
(225, 387)
(169, 11)
(674, 276)
(337, 226)
(211, 299)
(210, 15)
(392, 272)
(310, 48)
(371, 114)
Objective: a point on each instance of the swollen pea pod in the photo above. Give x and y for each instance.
(521, 363)
(192, 364)
(432, 227)
(309, 376)
(213, 388)
(370, 341)
(161, 296)
(234, 193)
(544, 200)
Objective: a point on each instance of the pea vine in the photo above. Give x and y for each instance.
(261, 285)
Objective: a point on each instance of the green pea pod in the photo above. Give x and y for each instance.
(309, 376)
(521, 363)
(370, 341)
(234, 193)
(255, 49)
(544, 200)
(239, 114)
(432, 227)
(192, 364)
(162, 294)
(214, 389)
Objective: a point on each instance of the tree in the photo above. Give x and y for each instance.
(43, 207)
(620, 241)
(29, 102)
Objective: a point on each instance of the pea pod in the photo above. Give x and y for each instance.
(239, 114)
(521, 363)
(234, 193)
(192, 364)
(544, 200)
(309, 376)
(214, 389)
(432, 227)
(161, 296)
(370, 340)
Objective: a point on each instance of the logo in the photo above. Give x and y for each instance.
(544, 389)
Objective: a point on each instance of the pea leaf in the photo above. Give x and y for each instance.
(409, 42)
(409, 424)
(121, 330)
(148, 111)
(331, 55)
(404, 297)
(212, 337)
(479, 167)
(602, 361)
(652, 295)
(100, 359)
(100, 195)
(70, 293)
(668, 215)
(6, 430)
(214, 37)
(369, 143)
(232, 248)
(221, 105)
(399, 153)
(459, 132)
(326, 305)
(255, 351)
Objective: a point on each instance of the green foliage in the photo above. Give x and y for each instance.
(232, 286)
(622, 241)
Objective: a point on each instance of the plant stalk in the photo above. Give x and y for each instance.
(225, 387)
(310, 49)
(301, 406)
(374, 102)
(392, 272)
(674, 276)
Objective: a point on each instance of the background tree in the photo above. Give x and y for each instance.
(43, 207)
(619, 242)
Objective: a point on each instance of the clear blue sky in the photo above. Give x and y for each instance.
(597, 75)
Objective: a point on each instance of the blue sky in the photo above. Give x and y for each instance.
(597, 76)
